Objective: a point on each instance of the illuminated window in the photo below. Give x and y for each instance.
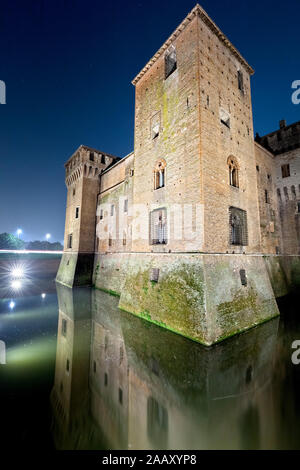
(233, 172)
(158, 227)
(159, 175)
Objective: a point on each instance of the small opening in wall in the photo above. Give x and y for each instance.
(68, 365)
(120, 396)
(285, 171)
(94, 367)
(243, 277)
(154, 274)
(92, 157)
(249, 374)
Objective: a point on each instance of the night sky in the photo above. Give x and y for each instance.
(68, 67)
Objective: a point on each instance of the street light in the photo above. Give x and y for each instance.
(48, 235)
(19, 232)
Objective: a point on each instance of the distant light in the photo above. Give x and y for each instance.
(48, 235)
(18, 271)
(16, 284)
(19, 232)
(12, 305)
(43, 295)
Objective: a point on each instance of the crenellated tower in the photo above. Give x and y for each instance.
(83, 171)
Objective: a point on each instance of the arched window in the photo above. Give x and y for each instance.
(160, 174)
(233, 172)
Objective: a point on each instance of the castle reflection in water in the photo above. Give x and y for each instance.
(122, 383)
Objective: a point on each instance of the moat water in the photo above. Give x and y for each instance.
(77, 373)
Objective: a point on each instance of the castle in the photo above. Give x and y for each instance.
(197, 230)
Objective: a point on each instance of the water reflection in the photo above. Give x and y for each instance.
(123, 383)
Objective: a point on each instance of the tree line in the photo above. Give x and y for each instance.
(9, 241)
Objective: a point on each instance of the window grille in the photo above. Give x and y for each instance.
(238, 226)
(158, 227)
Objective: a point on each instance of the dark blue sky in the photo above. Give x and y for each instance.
(68, 67)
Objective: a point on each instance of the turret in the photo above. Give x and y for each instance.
(83, 171)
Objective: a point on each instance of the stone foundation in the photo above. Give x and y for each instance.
(75, 269)
(199, 296)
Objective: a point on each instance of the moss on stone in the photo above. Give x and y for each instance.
(175, 302)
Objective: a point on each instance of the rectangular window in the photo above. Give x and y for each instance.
(77, 213)
(170, 62)
(105, 379)
(120, 396)
(112, 208)
(238, 226)
(267, 199)
(103, 159)
(70, 239)
(158, 227)
(298, 207)
(224, 117)
(126, 205)
(155, 125)
(92, 157)
(240, 81)
(285, 171)
(68, 365)
(64, 327)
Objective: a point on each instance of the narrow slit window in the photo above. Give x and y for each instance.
(70, 240)
(240, 81)
(77, 213)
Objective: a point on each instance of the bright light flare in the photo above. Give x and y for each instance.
(43, 295)
(17, 272)
(12, 305)
(48, 236)
(16, 284)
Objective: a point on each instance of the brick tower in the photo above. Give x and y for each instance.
(82, 180)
